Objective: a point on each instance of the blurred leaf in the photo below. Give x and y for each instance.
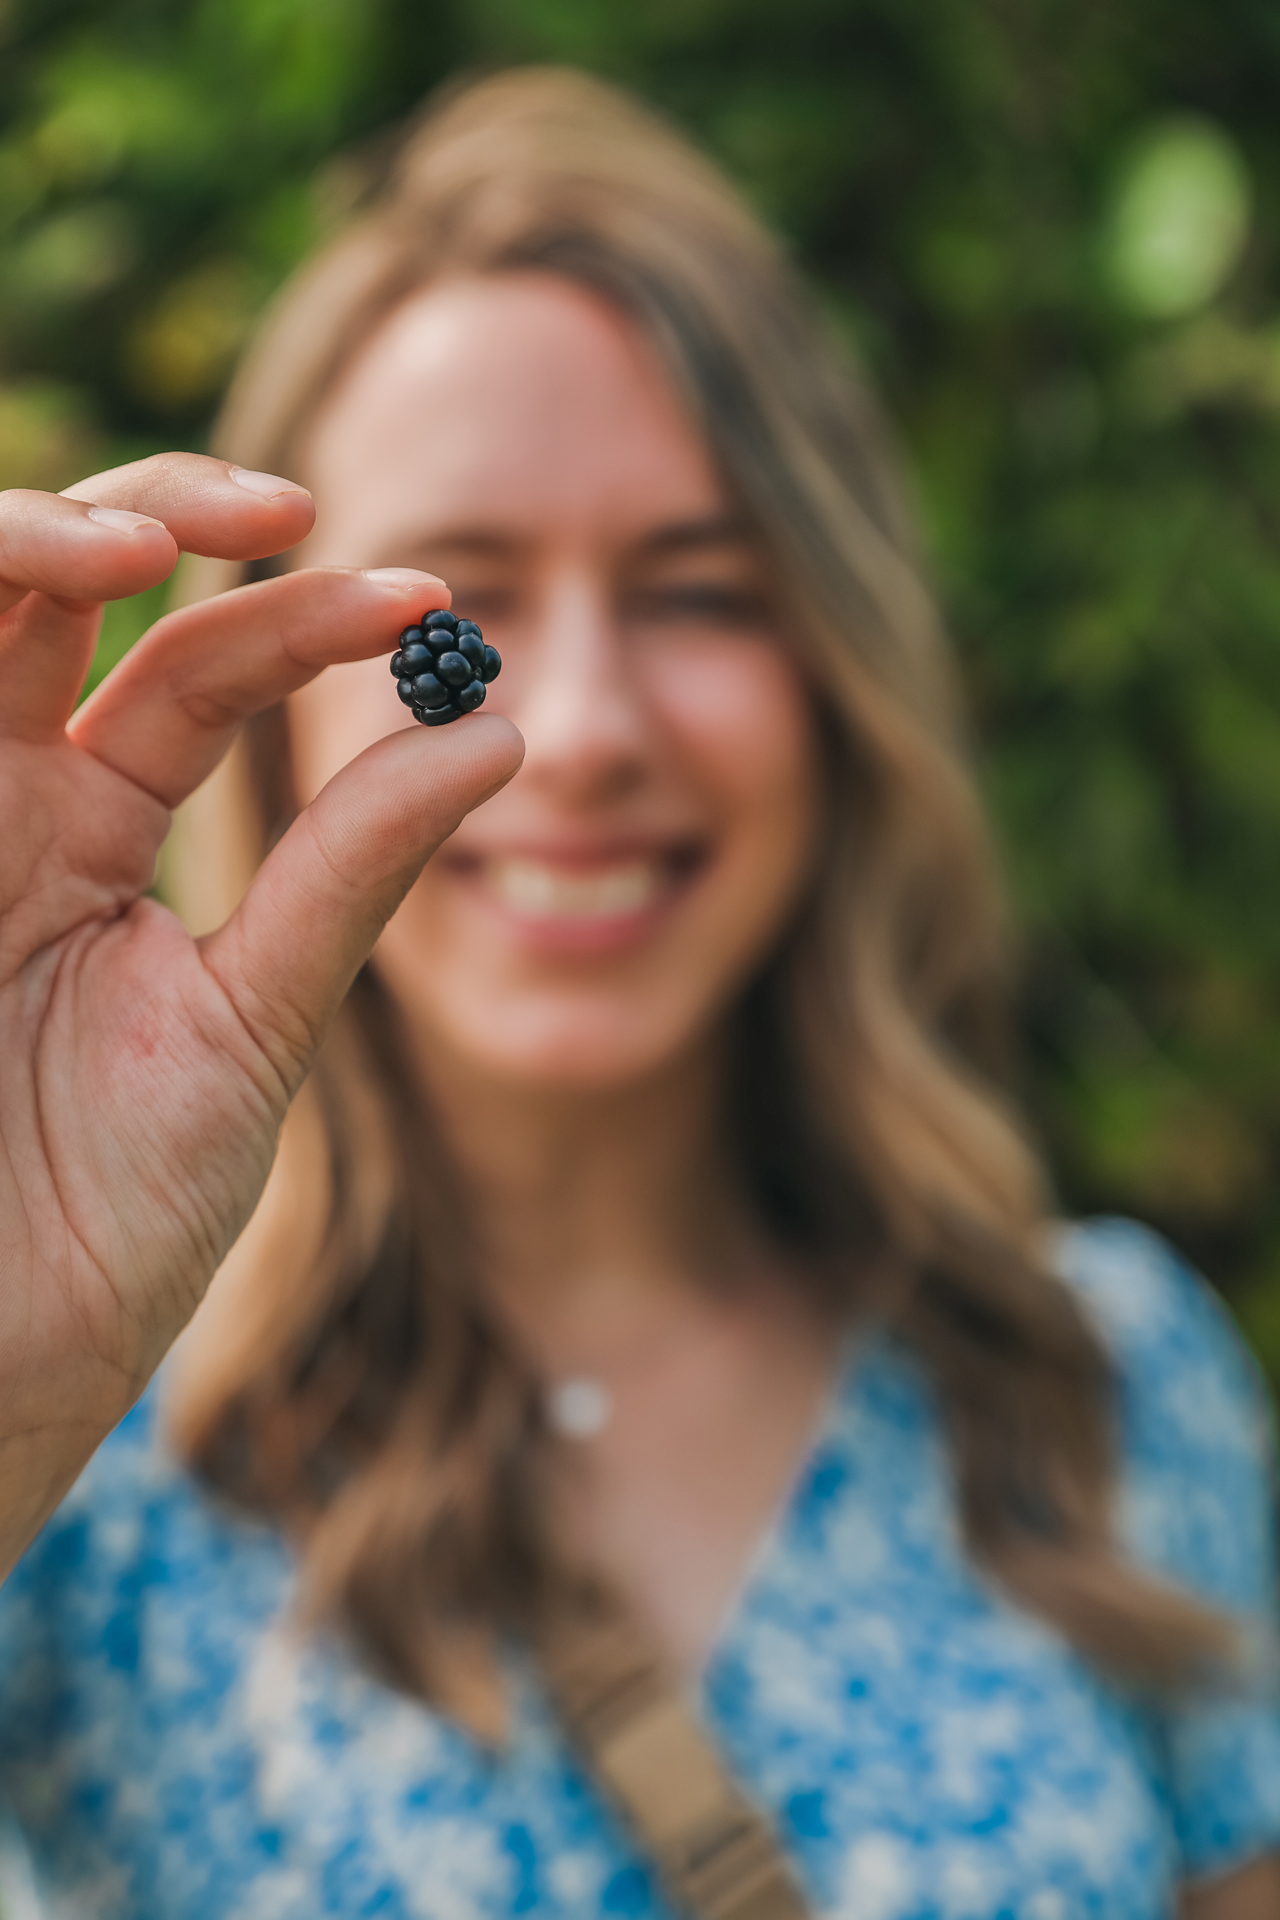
(1179, 221)
(71, 256)
(123, 623)
(47, 436)
(180, 352)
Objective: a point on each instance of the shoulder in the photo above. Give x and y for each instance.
(1185, 1376)
(67, 1600)
(1195, 1419)
(136, 1537)
(1143, 1295)
(101, 1517)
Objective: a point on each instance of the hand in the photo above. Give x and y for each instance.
(144, 1076)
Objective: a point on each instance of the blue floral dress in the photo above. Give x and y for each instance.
(171, 1751)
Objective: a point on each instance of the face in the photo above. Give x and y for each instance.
(591, 922)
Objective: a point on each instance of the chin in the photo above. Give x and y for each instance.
(572, 1046)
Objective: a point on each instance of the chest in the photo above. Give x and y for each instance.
(936, 1764)
(923, 1749)
(681, 1489)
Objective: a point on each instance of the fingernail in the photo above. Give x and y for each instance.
(269, 485)
(402, 577)
(120, 521)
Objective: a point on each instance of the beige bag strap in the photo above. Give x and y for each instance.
(715, 1852)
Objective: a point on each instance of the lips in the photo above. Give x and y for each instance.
(579, 896)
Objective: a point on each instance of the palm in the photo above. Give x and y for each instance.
(137, 1119)
(145, 1075)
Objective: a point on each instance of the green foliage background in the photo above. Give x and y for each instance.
(1050, 225)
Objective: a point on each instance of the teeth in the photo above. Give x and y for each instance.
(546, 893)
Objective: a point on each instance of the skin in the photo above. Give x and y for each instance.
(577, 1067)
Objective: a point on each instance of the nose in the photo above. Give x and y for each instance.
(587, 727)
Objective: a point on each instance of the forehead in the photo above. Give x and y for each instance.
(518, 400)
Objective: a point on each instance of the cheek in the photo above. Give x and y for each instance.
(744, 726)
(337, 716)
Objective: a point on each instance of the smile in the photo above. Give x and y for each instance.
(538, 891)
(579, 903)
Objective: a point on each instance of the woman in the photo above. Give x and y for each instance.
(649, 1243)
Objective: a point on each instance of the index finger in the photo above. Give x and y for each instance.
(209, 506)
(169, 711)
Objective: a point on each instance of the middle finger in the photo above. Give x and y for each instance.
(169, 711)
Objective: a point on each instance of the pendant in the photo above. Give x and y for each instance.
(579, 1408)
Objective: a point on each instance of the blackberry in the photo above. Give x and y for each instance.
(442, 667)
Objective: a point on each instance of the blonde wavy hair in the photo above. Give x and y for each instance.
(351, 1382)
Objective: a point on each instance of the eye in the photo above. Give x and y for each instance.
(713, 603)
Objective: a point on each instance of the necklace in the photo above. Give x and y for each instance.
(578, 1408)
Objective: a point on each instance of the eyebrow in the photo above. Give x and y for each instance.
(481, 541)
(492, 543)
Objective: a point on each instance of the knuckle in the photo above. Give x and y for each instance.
(331, 843)
(160, 465)
(212, 712)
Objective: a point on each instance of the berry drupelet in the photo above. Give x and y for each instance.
(442, 667)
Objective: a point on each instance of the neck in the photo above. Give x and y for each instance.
(600, 1211)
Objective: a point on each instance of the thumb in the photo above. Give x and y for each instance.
(317, 904)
